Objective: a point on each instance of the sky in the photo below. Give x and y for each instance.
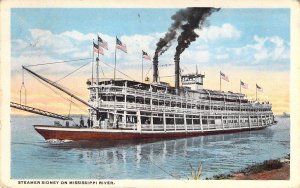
(252, 45)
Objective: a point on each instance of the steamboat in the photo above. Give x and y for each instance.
(122, 109)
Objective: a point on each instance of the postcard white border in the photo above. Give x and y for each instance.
(293, 5)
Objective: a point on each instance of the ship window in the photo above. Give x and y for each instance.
(169, 120)
(145, 120)
(131, 119)
(212, 121)
(196, 121)
(204, 121)
(157, 120)
(189, 121)
(179, 121)
(161, 103)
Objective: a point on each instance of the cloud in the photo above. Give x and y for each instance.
(213, 33)
(56, 43)
(192, 56)
(269, 49)
(78, 36)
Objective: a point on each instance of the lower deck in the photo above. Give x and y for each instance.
(71, 133)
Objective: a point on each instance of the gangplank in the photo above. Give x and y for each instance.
(38, 111)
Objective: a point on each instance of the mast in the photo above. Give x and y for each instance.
(115, 61)
(97, 72)
(58, 87)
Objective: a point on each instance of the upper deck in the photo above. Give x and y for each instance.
(161, 96)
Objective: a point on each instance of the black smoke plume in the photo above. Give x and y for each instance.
(183, 20)
(195, 19)
(164, 43)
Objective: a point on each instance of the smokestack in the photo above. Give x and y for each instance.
(155, 68)
(177, 72)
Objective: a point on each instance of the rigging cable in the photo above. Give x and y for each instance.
(57, 92)
(102, 72)
(23, 86)
(118, 71)
(72, 72)
(148, 71)
(57, 62)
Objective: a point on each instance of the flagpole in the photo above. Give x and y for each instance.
(98, 63)
(240, 86)
(97, 74)
(220, 82)
(142, 68)
(256, 91)
(93, 65)
(115, 60)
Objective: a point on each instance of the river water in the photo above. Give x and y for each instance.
(33, 158)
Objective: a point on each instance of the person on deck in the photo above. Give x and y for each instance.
(89, 122)
(81, 122)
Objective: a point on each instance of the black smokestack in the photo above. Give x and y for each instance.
(177, 73)
(155, 68)
(195, 19)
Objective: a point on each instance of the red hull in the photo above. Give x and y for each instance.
(76, 134)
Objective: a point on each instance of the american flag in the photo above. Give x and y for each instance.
(224, 77)
(97, 49)
(120, 45)
(244, 85)
(102, 43)
(146, 56)
(259, 88)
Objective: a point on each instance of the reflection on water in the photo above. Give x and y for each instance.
(146, 159)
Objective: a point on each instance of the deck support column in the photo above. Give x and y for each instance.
(151, 121)
(193, 123)
(115, 119)
(222, 122)
(138, 123)
(249, 121)
(239, 121)
(124, 118)
(184, 118)
(164, 121)
(207, 123)
(201, 122)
